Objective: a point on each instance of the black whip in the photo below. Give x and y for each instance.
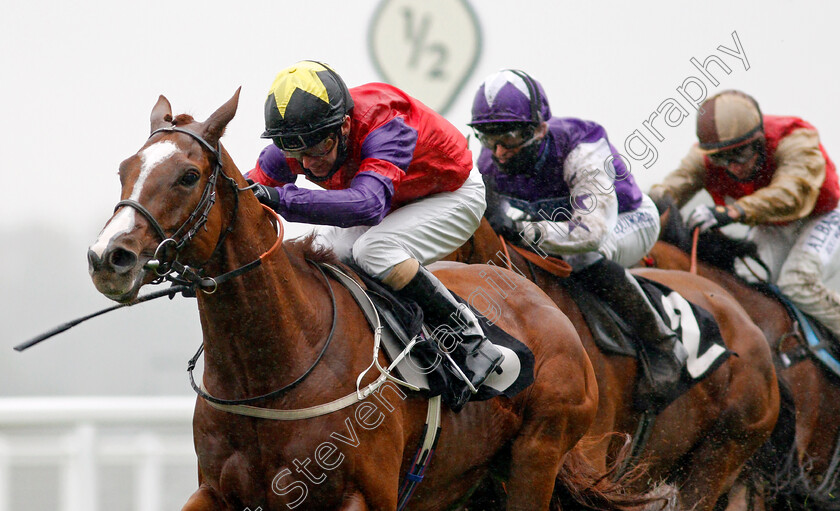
(171, 292)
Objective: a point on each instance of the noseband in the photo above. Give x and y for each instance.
(166, 254)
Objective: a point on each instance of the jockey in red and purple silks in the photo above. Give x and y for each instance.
(398, 191)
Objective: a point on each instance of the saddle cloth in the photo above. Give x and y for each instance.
(695, 326)
(425, 367)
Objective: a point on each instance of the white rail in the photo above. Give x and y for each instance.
(81, 437)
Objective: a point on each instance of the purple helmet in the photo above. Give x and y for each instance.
(509, 95)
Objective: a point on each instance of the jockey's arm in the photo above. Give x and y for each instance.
(595, 204)
(792, 194)
(271, 168)
(365, 202)
(683, 183)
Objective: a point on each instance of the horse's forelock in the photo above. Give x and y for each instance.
(713, 247)
(182, 120)
(663, 203)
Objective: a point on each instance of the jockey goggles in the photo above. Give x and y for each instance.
(513, 139)
(295, 147)
(739, 155)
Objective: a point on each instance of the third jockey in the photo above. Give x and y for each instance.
(773, 174)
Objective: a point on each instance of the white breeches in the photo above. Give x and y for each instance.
(426, 229)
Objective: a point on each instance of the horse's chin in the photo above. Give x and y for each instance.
(120, 288)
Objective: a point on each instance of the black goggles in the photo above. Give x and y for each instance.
(740, 156)
(319, 150)
(297, 143)
(513, 139)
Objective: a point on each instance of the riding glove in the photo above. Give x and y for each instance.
(505, 219)
(267, 195)
(516, 215)
(706, 218)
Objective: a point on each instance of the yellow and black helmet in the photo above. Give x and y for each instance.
(306, 103)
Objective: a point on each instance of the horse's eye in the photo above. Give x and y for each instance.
(189, 178)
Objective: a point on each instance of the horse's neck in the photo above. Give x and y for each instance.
(260, 327)
(488, 249)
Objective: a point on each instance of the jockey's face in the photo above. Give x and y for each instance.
(319, 159)
(741, 162)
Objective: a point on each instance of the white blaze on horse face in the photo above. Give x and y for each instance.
(124, 220)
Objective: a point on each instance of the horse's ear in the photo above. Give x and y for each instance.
(214, 126)
(161, 114)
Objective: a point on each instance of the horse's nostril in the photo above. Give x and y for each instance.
(122, 260)
(94, 261)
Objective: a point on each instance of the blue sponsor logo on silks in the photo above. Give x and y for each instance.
(634, 221)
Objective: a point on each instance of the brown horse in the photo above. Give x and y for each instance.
(804, 482)
(701, 441)
(268, 314)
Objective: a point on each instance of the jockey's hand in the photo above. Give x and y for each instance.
(516, 215)
(525, 227)
(529, 233)
(505, 219)
(267, 195)
(706, 218)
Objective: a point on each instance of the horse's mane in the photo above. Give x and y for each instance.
(713, 246)
(315, 252)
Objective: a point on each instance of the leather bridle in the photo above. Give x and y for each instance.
(165, 261)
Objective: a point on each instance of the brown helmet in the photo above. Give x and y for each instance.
(728, 119)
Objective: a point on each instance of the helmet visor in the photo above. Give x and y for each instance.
(297, 142)
(319, 150)
(512, 139)
(738, 155)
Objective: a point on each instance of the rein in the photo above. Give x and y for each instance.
(166, 263)
(695, 236)
(553, 265)
(201, 392)
(187, 279)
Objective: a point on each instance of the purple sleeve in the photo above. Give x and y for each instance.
(393, 142)
(272, 163)
(365, 202)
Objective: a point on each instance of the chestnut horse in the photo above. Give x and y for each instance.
(268, 314)
(808, 480)
(700, 441)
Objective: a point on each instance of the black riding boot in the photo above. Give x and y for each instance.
(472, 352)
(663, 353)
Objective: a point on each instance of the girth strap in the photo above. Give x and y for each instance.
(431, 433)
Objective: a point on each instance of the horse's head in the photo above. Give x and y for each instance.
(166, 211)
